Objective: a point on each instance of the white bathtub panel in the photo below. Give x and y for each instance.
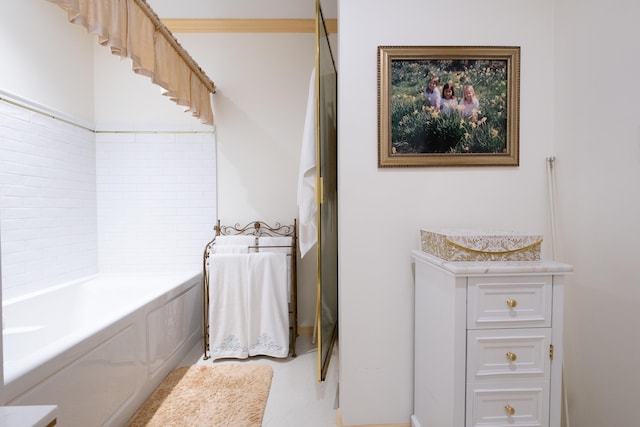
(170, 326)
(57, 353)
(28, 371)
(94, 386)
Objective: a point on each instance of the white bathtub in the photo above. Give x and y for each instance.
(99, 346)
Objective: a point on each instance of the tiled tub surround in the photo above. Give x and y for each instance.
(156, 200)
(75, 202)
(98, 347)
(48, 216)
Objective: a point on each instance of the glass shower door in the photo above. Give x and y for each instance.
(327, 185)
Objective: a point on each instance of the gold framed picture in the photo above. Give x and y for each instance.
(448, 106)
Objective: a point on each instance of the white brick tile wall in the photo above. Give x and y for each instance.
(48, 201)
(74, 202)
(156, 200)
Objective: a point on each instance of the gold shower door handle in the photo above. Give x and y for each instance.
(512, 303)
(510, 410)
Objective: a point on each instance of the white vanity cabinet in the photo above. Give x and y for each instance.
(488, 343)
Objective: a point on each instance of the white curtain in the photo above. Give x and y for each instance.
(130, 28)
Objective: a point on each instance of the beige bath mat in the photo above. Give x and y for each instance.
(222, 395)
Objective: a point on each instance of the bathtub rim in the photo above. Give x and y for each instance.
(189, 275)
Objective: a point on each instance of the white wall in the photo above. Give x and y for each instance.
(598, 163)
(47, 171)
(382, 210)
(127, 101)
(260, 105)
(259, 109)
(147, 201)
(244, 9)
(38, 45)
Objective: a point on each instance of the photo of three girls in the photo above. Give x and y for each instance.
(468, 105)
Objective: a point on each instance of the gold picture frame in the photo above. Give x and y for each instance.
(416, 128)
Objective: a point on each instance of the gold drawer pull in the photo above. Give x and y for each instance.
(510, 410)
(511, 356)
(512, 303)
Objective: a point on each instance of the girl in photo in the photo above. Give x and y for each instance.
(469, 105)
(432, 93)
(449, 101)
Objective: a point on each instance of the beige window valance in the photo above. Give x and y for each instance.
(130, 28)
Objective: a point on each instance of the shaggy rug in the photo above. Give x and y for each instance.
(222, 395)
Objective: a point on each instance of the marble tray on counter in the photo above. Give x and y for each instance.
(478, 245)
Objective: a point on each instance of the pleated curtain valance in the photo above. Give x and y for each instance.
(130, 28)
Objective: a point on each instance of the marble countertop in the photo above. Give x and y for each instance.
(470, 268)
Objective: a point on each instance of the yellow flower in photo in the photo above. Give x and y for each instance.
(494, 133)
(466, 135)
(435, 114)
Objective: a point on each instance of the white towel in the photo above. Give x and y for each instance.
(235, 244)
(307, 206)
(230, 249)
(279, 244)
(228, 293)
(267, 305)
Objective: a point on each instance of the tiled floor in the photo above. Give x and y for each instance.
(296, 398)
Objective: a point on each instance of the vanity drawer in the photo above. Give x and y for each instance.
(508, 406)
(509, 302)
(508, 354)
